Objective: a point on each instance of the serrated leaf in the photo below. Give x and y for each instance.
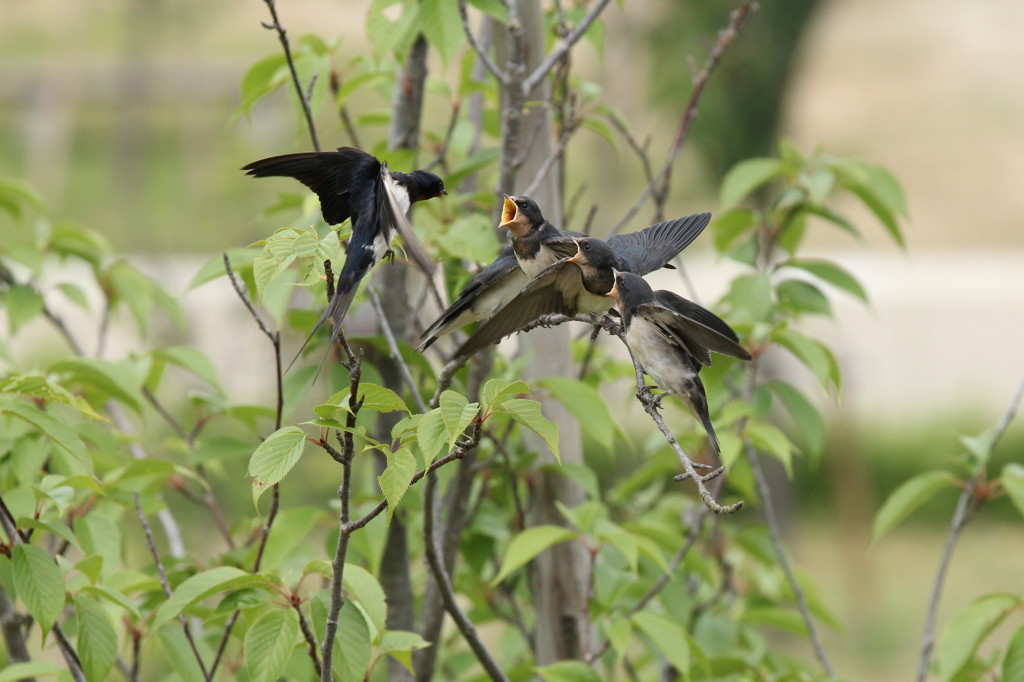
(1012, 479)
(97, 639)
(20, 671)
(567, 671)
(769, 440)
(394, 481)
(203, 585)
(431, 435)
(527, 413)
(379, 398)
(262, 78)
(744, 178)
(269, 643)
(56, 527)
(812, 353)
(352, 655)
(497, 391)
(829, 272)
(106, 378)
(56, 431)
(442, 27)
(1013, 663)
(110, 594)
(39, 583)
(528, 544)
(457, 413)
(586, 404)
(966, 630)
(275, 457)
(362, 586)
(23, 305)
(908, 497)
(400, 644)
(667, 636)
(809, 425)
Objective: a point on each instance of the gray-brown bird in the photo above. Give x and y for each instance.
(672, 338)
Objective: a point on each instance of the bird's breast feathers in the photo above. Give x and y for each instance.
(660, 359)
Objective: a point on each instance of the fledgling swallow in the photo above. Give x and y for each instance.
(672, 338)
(354, 184)
(580, 284)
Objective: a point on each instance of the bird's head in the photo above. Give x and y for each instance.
(594, 253)
(520, 215)
(430, 185)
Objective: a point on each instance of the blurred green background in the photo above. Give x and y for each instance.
(123, 114)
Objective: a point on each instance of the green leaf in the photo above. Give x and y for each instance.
(567, 671)
(102, 377)
(980, 446)
(15, 196)
(730, 226)
(362, 586)
(269, 644)
(56, 527)
(442, 27)
(388, 36)
(769, 440)
(20, 671)
(667, 636)
(814, 354)
(39, 583)
(471, 237)
(352, 654)
(527, 413)
(961, 637)
(810, 427)
(830, 272)
(261, 79)
(23, 304)
(744, 178)
(110, 594)
(908, 497)
(400, 644)
(586, 404)
(396, 478)
(1012, 478)
(528, 544)
(62, 436)
(97, 639)
(380, 399)
(275, 457)
(750, 298)
(775, 617)
(191, 360)
(457, 413)
(802, 297)
(497, 391)
(1013, 664)
(203, 585)
(430, 434)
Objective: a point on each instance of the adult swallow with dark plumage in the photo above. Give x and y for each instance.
(580, 284)
(672, 338)
(536, 243)
(354, 184)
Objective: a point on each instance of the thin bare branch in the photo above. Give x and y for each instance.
(283, 37)
(736, 20)
(485, 59)
(564, 46)
(396, 354)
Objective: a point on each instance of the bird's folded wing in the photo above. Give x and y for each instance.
(393, 219)
(490, 289)
(692, 334)
(653, 247)
(552, 292)
(689, 309)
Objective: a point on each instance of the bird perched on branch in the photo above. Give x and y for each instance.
(536, 244)
(354, 184)
(580, 284)
(672, 338)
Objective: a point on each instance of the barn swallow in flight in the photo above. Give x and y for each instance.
(672, 338)
(354, 184)
(580, 284)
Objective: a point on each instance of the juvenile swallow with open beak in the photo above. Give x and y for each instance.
(672, 338)
(580, 284)
(354, 184)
